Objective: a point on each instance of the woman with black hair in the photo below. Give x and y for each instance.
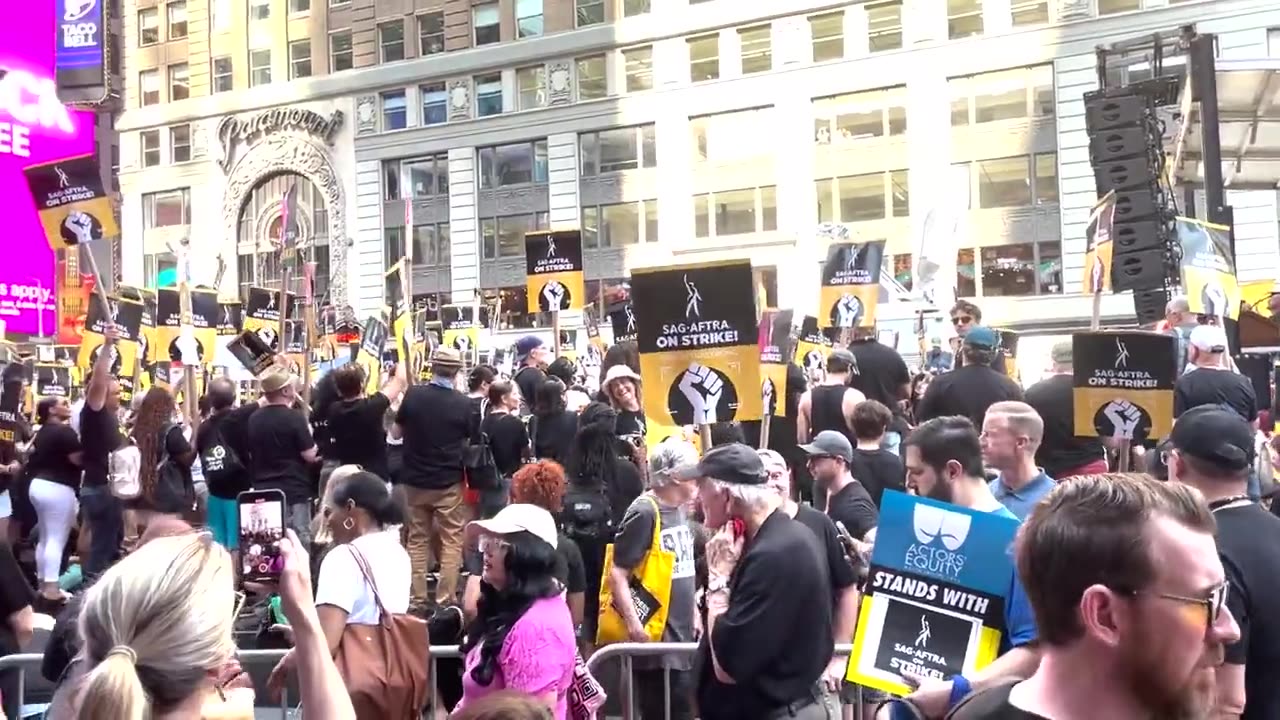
(54, 467)
(576, 396)
(553, 425)
(522, 637)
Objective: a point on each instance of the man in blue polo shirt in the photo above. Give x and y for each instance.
(1011, 433)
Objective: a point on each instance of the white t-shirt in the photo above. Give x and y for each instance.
(342, 584)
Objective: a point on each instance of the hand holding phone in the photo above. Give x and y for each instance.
(261, 530)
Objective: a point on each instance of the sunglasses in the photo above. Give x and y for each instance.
(1213, 605)
(962, 320)
(489, 543)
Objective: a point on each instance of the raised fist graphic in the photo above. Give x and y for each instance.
(80, 224)
(463, 344)
(848, 309)
(1124, 417)
(702, 387)
(767, 393)
(554, 294)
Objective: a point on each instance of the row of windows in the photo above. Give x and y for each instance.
(175, 14)
(179, 82)
(430, 245)
(1019, 269)
(179, 145)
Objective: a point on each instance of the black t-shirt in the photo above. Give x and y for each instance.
(1206, 386)
(438, 422)
(356, 433)
(879, 372)
(993, 704)
(626, 487)
(528, 379)
(823, 528)
(54, 443)
(569, 569)
(508, 440)
(1061, 449)
(554, 435)
(631, 423)
(877, 471)
(233, 427)
(853, 507)
(278, 436)
(1249, 545)
(966, 391)
(776, 637)
(15, 594)
(99, 437)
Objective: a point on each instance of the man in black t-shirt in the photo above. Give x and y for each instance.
(1061, 453)
(1210, 380)
(875, 467)
(971, 389)
(222, 444)
(99, 437)
(357, 423)
(531, 357)
(282, 448)
(848, 502)
(1213, 451)
(881, 374)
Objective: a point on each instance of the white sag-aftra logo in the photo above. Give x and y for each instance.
(935, 526)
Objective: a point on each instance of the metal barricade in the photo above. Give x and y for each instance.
(625, 652)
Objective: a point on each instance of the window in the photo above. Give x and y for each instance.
(966, 278)
(435, 103)
(651, 221)
(299, 59)
(391, 41)
(618, 149)
(259, 67)
(732, 136)
(531, 87)
(903, 270)
(392, 245)
(859, 198)
(611, 226)
(179, 82)
(299, 6)
(860, 116)
(517, 164)
(639, 67)
(704, 58)
(390, 179)
(631, 8)
(431, 244)
(149, 87)
(591, 78)
(1005, 182)
(1273, 42)
(1003, 95)
(341, 56)
(1022, 269)
(431, 33)
(1029, 12)
(176, 12)
(219, 14)
(1111, 7)
(153, 264)
(964, 18)
(259, 9)
(884, 26)
(222, 75)
(1046, 179)
(827, 31)
(337, 3)
(420, 177)
(150, 142)
(167, 209)
(148, 27)
(504, 236)
(589, 12)
(488, 95)
(757, 51)
(180, 143)
(487, 21)
(735, 212)
(528, 18)
(394, 111)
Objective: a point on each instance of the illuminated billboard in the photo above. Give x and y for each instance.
(35, 128)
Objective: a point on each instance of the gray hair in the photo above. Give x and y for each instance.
(756, 497)
(668, 457)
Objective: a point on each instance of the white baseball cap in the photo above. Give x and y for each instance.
(620, 371)
(519, 517)
(1209, 338)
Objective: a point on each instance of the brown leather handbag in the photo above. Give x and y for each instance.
(386, 667)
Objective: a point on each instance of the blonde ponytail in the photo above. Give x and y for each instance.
(112, 690)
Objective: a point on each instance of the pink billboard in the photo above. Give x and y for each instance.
(34, 128)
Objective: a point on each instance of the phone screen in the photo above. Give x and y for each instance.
(261, 530)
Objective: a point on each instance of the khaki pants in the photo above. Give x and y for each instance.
(436, 516)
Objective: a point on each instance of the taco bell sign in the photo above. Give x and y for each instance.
(79, 52)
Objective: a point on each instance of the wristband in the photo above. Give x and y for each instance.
(960, 688)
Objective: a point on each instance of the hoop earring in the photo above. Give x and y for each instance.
(348, 524)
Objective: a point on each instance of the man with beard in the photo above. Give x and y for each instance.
(944, 462)
(1130, 597)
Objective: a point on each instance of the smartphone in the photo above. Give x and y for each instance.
(261, 530)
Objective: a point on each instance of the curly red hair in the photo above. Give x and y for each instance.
(541, 483)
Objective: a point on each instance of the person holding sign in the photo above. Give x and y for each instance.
(99, 437)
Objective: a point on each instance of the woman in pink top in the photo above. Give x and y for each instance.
(522, 638)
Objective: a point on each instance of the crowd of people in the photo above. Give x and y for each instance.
(526, 519)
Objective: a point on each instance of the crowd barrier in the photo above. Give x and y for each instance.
(256, 662)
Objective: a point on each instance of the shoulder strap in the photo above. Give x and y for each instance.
(385, 617)
(656, 544)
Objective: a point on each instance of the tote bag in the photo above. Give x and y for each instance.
(650, 583)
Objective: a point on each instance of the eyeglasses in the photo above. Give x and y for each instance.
(962, 320)
(1213, 604)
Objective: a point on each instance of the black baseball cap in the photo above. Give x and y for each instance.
(1215, 434)
(830, 443)
(732, 463)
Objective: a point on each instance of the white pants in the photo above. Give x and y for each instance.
(56, 508)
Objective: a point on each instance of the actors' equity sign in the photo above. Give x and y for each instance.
(554, 271)
(74, 208)
(777, 338)
(812, 348)
(1123, 386)
(936, 593)
(127, 316)
(697, 339)
(1208, 268)
(851, 284)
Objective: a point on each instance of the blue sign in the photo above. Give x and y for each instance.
(79, 48)
(958, 546)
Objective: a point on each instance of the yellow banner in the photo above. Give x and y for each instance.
(697, 340)
(204, 323)
(395, 307)
(373, 339)
(554, 272)
(127, 316)
(850, 290)
(1208, 269)
(812, 347)
(461, 330)
(1097, 259)
(1123, 384)
(777, 341)
(74, 208)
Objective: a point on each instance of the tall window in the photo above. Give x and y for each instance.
(860, 116)
(219, 14)
(179, 82)
(735, 212)
(1046, 178)
(391, 41)
(488, 94)
(431, 33)
(341, 55)
(394, 111)
(827, 31)
(222, 74)
(704, 58)
(503, 237)
(618, 149)
(435, 103)
(417, 178)
(631, 8)
(638, 62)
(757, 49)
(588, 12)
(431, 245)
(148, 27)
(528, 18)
(168, 208)
(149, 140)
(731, 136)
(1011, 182)
(259, 9)
(486, 20)
(259, 67)
(531, 87)
(620, 224)
(180, 143)
(176, 12)
(592, 84)
(964, 18)
(1003, 95)
(300, 59)
(515, 164)
(149, 87)
(859, 198)
(884, 26)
